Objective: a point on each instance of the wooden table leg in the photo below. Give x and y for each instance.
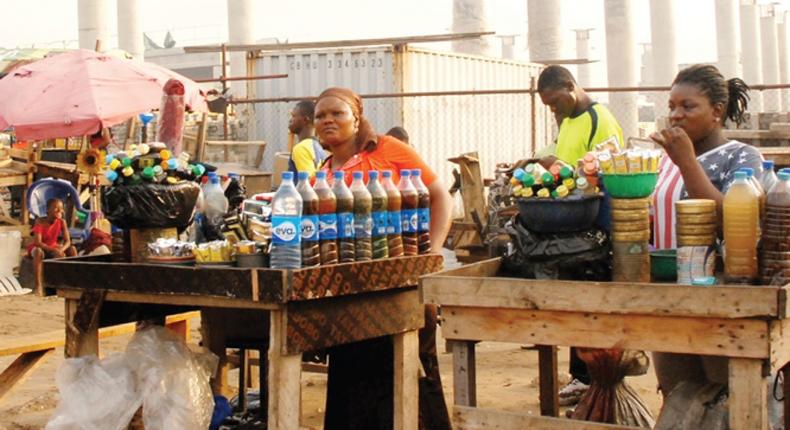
(82, 324)
(748, 397)
(284, 379)
(786, 391)
(464, 379)
(406, 372)
(214, 337)
(549, 385)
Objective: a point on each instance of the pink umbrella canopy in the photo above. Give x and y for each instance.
(76, 93)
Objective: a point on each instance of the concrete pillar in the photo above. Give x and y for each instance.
(544, 32)
(241, 20)
(784, 59)
(470, 16)
(93, 23)
(130, 28)
(728, 38)
(583, 53)
(772, 99)
(621, 63)
(751, 53)
(508, 47)
(664, 59)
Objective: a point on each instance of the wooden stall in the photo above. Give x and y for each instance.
(303, 310)
(749, 324)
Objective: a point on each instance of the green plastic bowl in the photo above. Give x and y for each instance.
(630, 185)
(663, 265)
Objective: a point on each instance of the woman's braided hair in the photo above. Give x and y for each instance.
(733, 93)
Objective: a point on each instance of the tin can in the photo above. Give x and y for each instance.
(695, 206)
(696, 240)
(695, 229)
(696, 219)
(631, 236)
(626, 226)
(629, 214)
(631, 203)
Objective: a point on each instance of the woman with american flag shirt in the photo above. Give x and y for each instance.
(700, 162)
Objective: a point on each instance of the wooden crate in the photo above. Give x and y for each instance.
(746, 323)
(302, 309)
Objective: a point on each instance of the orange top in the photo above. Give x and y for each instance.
(390, 154)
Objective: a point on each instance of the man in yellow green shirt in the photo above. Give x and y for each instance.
(583, 123)
(307, 155)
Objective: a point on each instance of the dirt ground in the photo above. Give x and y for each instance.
(507, 375)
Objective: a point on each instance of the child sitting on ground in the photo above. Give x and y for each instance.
(47, 231)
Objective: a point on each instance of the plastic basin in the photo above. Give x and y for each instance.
(663, 265)
(630, 185)
(575, 213)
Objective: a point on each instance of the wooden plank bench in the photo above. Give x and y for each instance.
(32, 350)
(748, 324)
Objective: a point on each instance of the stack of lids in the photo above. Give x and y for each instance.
(630, 236)
(695, 222)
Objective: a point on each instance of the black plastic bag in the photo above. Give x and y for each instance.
(151, 205)
(577, 256)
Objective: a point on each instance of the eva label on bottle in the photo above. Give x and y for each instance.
(363, 226)
(327, 226)
(286, 230)
(424, 215)
(310, 228)
(345, 225)
(394, 222)
(409, 220)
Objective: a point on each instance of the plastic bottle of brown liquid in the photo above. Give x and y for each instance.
(363, 221)
(423, 213)
(741, 222)
(408, 214)
(345, 218)
(394, 226)
(311, 254)
(327, 219)
(379, 215)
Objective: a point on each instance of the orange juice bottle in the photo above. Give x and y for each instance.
(741, 225)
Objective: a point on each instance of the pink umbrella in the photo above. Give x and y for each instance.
(76, 93)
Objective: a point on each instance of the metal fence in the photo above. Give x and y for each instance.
(501, 125)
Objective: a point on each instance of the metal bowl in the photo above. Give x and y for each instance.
(574, 213)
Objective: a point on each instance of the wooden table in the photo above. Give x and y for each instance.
(749, 324)
(308, 309)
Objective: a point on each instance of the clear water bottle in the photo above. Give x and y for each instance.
(363, 220)
(768, 178)
(423, 212)
(214, 201)
(286, 225)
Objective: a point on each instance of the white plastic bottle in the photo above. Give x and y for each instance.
(286, 225)
(214, 201)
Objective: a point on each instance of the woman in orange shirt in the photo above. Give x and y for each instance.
(359, 392)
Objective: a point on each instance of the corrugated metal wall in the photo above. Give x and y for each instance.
(497, 126)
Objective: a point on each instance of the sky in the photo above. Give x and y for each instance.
(53, 23)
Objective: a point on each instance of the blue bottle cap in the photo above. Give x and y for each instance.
(172, 163)
(357, 175)
(303, 176)
(405, 173)
(768, 164)
(740, 174)
(416, 172)
(287, 176)
(373, 175)
(320, 175)
(386, 174)
(111, 175)
(214, 179)
(749, 171)
(339, 174)
(704, 281)
(108, 158)
(784, 176)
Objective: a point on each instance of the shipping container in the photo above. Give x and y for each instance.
(497, 126)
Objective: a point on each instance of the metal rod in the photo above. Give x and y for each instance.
(223, 58)
(533, 126)
(337, 43)
(242, 78)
